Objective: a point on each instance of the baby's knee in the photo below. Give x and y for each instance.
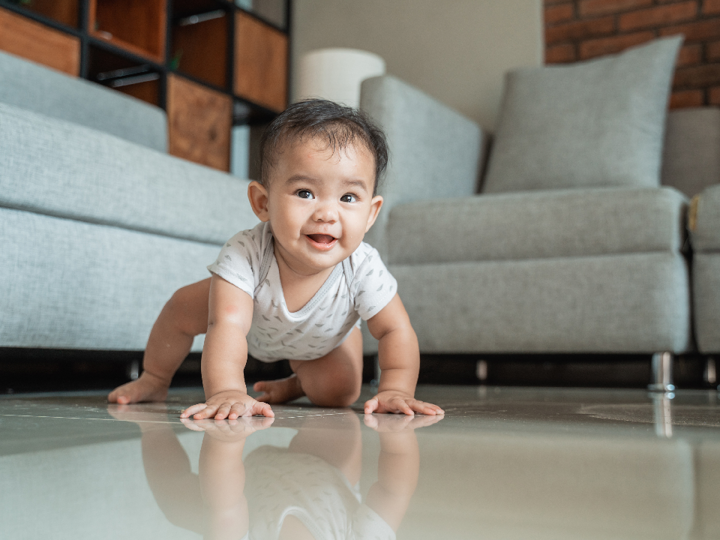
(338, 395)
(188, 309)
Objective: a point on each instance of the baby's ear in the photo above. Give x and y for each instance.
(376, 204)
(258, 195)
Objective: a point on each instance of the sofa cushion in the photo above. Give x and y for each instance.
(706, 305)
(66, 284)
(541, 224)
(705, 220)
(40, 89)
(636, 303)
(595, 123)
(691, 155)
(62, 169)
(430, 145)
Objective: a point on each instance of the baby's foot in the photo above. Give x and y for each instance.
(279, 391)
(147, 388)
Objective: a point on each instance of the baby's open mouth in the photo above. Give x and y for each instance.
(321, 238)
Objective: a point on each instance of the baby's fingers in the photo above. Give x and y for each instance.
(260, 409)
(371, 405)
(187, 413)
(426, 408)
(396, 405)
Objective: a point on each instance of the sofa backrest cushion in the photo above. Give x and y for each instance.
(691, 160)
(61, 169)
(598, 123)
(37, 88)
(434, 150)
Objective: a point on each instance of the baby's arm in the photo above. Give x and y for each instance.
(225, 355)
(399, 363)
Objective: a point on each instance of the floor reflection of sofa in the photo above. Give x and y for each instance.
(562, 487)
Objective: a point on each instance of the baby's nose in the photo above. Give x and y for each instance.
(325, 212)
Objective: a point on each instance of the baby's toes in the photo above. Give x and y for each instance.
(118, 396)
(262, 387)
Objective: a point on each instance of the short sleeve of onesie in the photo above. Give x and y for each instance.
(240, 259)
(367, 525)
(372, 286)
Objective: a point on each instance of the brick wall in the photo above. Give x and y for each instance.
(583, 29)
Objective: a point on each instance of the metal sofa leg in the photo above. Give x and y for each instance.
(133, 370)
(710, 375)
(662, 414)
(662, 364)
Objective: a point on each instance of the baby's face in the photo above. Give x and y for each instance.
(320, 204)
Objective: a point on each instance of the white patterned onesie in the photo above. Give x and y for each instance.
(359, 287)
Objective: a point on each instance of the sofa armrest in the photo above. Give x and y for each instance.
(43, 90)
(62, 169)
(434, 150)
(704, 220)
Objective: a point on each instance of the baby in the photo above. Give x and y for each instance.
(296, 286)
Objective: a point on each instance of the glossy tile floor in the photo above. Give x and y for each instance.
(503, 463)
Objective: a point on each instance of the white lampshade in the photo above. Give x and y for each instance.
(336, 74)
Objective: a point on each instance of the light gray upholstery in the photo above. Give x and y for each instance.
(98, 226)
(580, 270)
(705, 237)
(589, 124)
(691, 159)
(434, 151)
(68, 284)
(706, 295)
(44, 90)
(542, 224)
(613, 304)
(706, 234)
(57, 168)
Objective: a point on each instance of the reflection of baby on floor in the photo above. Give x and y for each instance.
(312, 487)
(309, 490)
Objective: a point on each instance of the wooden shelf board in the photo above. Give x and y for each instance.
(138, 26)
(199, 123)
(193, 43)
(39, 43)
(124, 45)
(261, 59)
(62, 11)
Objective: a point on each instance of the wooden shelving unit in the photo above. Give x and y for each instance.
(197, 114)
(137, 26)
(210, 64)
(34, 41)
(261, 57)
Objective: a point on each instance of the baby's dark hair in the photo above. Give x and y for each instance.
(338, 125)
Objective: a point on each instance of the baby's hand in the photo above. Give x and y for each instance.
(231, 404)
(397, 424)
(396, 402)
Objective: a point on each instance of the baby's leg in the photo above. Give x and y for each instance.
(331, 381)
(183, 317)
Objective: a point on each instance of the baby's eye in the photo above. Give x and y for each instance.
(348, 197)
(304, 194)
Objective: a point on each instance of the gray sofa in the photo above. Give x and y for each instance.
(98, 225)
(585, 270)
